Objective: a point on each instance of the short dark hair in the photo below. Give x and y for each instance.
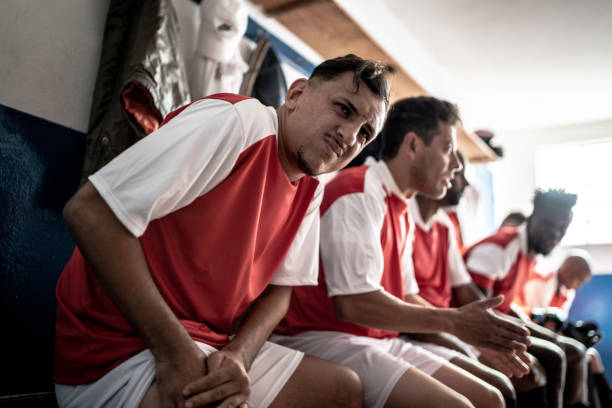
(514, 219)
(372, 73)
(553, 198)
(420, 115)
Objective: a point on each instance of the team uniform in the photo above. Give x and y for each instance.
(453, 216)
(218, 220)
(366, 235)
(501, 263)
(544, 291)
(438, 265)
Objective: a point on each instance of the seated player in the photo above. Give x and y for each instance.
(502, 263)
(550, 296)
(189, 243)
(355, 314)
(442, 279)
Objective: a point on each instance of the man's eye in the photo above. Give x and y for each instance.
(344, 109)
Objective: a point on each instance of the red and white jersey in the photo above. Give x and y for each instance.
(543, 291)
(453, 216)
(218, 220)
(501, 263)
(366, 236)
(438, 265)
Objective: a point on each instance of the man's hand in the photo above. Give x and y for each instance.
(511, 364)
(474, 323)
(226, 382)
(172, 374)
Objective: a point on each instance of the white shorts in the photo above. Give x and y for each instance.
(446, 352)
(380, 363)
(126, 384)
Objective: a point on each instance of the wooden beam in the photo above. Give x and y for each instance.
(328, 30)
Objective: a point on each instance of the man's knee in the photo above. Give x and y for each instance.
(575, 351)
(493, 397)
(348, 390)
(340, 387)
(504, 385)
(552, 358)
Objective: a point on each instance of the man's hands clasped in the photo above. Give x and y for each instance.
(195, 380)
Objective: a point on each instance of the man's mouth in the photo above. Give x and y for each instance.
(335, 146)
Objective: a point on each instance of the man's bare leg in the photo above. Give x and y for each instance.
(315, 383)
(552, 358)
(481, 394)
(488, 375)
(319, 383)
(450, 386)
(417, 389)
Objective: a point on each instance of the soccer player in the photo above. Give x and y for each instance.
(189, 243)
(353, 317)
(502, 263)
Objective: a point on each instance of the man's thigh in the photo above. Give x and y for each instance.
(380, 363)
(127, 384)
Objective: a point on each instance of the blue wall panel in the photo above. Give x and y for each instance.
(40, 165)
(593, 302)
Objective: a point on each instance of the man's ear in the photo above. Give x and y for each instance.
(296, 89)
(411, 145)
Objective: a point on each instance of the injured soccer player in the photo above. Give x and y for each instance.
(189, 243)
(355, 314)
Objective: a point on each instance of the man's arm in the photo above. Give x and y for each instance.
(118, 262)
(468, 293)
(472, 323)
(227, 369)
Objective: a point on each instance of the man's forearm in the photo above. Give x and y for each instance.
(117, 259)
(467, 293)
(473, 323)
(260, 321)
(383, 311)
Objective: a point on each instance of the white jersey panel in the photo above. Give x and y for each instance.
(350, 247)
(301, 264)
(184, 159)
(411, 287)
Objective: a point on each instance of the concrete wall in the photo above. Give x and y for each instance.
(50, 56)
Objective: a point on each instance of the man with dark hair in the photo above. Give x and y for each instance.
(502, 263)
(443, 280)
(189, 243)
(353, 317)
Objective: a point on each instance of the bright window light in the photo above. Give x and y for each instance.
(584, 169)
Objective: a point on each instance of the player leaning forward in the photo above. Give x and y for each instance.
(189, 242)
(354, 315)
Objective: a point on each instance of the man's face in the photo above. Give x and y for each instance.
(437, 163)
(546, 228)
(574, 272)
(329, 123)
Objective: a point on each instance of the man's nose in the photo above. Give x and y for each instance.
(456, 165)
(348, 133)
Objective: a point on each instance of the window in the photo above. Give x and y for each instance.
(584, 169)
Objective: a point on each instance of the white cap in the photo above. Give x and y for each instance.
(222, 25)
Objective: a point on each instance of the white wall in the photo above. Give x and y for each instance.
(50, 52)
(514, 178)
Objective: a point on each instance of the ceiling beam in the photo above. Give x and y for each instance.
(327, 29)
